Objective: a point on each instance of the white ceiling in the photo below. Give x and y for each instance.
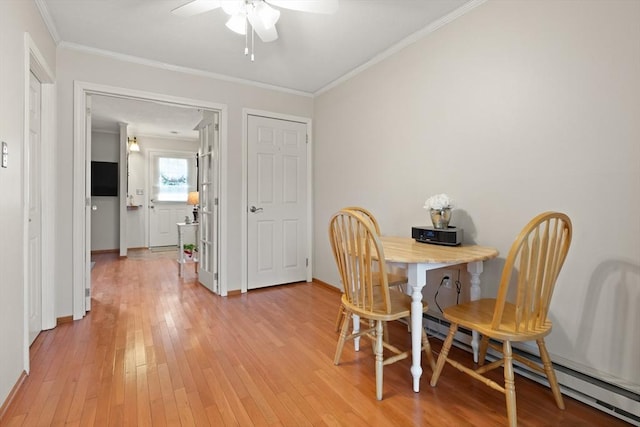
(312, 51)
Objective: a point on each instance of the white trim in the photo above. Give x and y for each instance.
(48, 21)
(402, 44)
(35, 62)
(246, 112)
(78, 220)
(178, 68)
(124, 184)
(81, 90)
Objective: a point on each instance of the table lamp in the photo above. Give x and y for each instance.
(194, 199)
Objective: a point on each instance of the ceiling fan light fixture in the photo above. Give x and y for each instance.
(238, 24)
(267, 15)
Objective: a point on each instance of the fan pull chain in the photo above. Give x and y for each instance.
(253, 35)
(246, 38)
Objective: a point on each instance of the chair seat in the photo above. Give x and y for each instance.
(400, 306)
(478, 315)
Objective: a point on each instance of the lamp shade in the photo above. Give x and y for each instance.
(133, 144)
(193, 198)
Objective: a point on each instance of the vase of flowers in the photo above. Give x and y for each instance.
(439, 207)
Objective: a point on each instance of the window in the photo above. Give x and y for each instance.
(173, 178)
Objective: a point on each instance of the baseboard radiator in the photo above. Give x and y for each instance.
(605, 396)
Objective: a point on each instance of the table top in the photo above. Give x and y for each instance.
(407, 250)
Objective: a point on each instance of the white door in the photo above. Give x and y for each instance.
(208, 196)
(35, 246)
(277, 202)
(172, 176)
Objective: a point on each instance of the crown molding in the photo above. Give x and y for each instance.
(413, 38)
(48, 21)
(176, 68)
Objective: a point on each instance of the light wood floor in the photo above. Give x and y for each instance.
(159, 350)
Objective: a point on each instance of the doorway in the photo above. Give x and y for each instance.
(82, 198)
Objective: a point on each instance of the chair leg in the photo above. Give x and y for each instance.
(379, 358)
(444, 351)
(385, 331)
(339, 318)
(482, 353)
(509, 384)
(427, 350)
(551, 375)
(343, 337)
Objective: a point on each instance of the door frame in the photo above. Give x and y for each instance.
(34, 62)
(246, 112)
(80, 92)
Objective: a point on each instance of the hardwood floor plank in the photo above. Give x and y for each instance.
(159, 350)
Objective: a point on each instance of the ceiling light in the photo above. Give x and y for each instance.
(267, 15)
(256, 15)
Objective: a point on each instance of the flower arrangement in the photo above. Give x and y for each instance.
(439, 202)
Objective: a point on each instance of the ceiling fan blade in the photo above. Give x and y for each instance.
(196, 7)
(313, 6)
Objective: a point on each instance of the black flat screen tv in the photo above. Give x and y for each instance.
(104, 179)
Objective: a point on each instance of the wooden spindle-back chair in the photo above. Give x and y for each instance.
(359, 256)
(520, 310)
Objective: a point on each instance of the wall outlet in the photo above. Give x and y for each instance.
(446, 281)
(449, 277)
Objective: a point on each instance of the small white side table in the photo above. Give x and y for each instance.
(182, 260)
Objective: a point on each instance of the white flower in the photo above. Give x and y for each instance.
(439, 201)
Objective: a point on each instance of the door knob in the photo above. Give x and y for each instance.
(254, 209)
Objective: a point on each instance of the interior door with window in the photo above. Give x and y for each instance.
(173, 175)
(208, 195)
(277, 202)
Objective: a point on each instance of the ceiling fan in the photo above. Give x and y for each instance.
(255, 16)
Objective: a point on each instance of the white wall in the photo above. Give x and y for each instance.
(105, 219)
(138, 219)
(513, 109)
(76, 65)
(16, 17)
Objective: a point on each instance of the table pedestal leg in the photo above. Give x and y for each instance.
(475, 269)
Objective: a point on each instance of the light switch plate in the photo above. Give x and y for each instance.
(5, 154)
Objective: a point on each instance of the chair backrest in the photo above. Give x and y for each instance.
(536, 255)
(360, 260)
(367, 215)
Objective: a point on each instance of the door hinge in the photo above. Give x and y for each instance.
(87, 292)
(215, 276)
(307, 262)
(307, 137)
(215, 201)
(88, 111)
(216, 127)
